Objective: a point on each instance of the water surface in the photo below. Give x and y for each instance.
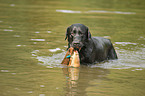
(32, 47)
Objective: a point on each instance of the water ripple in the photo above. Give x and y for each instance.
(8, 30)
(68, 11)
(127, 59)
(95, 11)
(38, 39)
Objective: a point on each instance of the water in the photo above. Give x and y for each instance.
(32, 47)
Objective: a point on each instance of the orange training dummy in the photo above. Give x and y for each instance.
(71, 58)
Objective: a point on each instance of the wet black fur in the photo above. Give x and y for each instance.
(92, 48)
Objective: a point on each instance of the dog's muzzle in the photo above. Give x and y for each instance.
(77, 45)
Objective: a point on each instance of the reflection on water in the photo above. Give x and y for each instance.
(72, 77)
(75, 76)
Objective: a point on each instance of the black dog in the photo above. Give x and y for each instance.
(90, 49)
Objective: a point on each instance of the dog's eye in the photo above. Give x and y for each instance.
(74, 32)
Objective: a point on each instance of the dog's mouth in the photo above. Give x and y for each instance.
(77, 48)
(77, 45)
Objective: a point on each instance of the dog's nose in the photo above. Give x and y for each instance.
(76, 43)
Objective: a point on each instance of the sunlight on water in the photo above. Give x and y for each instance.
(38, 39)
(125, 43)
(54, 50)
(68, 11)
(8, 30)
(115, 12)
(94, 11)
(4, 70)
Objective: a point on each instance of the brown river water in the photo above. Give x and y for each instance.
(32, 47)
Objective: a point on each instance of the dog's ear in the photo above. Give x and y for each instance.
(67, 31)
(88, 34)
(67, 36)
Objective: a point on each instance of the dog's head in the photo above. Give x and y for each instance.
(77, 35)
